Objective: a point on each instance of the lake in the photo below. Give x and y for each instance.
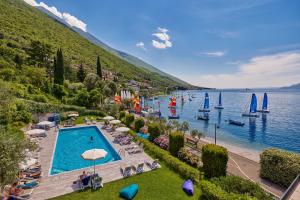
(280, 128)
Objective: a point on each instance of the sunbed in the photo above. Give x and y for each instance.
(96, 181)
(126, 172)
(153, 165)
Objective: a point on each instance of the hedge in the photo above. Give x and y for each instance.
(214, 160)
(154, 130)
(138, 124)
(173, 163)
(122, 115)
(176, 142)
(210, 191)
(238, 185)
(280, 167)
(39, 107)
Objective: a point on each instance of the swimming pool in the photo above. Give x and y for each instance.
(72, 142)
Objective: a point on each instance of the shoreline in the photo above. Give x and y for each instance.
(250, 154)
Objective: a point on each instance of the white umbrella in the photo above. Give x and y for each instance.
(108, 118)
(115, 121)
(73, 115)
(122, 129)
(94, 154)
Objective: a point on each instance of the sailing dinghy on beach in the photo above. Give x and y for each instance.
(253, 108)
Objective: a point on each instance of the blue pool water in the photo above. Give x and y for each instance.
(72, 142)
(280, 128)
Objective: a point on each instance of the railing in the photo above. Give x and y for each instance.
(288, 193)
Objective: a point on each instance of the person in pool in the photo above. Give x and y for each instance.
(91, 139)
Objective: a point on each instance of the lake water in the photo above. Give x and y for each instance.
(280, 128)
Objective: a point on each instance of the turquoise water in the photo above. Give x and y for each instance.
(72, 142)
(280, 128)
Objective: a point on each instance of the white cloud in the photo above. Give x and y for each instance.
(67, 17)
(51, 9)
(31, 2)
(262, 71)
(73, 21)
(163, 37)
(141, 45)
(212, 54)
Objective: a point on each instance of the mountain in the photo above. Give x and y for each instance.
(292, 87)
(123, 55)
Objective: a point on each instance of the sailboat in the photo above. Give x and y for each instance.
(173, 113)
(219, 106)
(172, 103)
(206, 104)
(264, 108)
(253, 108)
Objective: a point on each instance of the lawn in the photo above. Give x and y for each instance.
(161, 184)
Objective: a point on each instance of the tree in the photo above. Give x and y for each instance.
(113, 88)
(185, 126)
(99, 68)
(12, 151)
(81, 73)
(39, 54)
(82, 98)
(59, 71)
(95, 97)
(91, 81)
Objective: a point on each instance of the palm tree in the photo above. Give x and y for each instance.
(185, 126)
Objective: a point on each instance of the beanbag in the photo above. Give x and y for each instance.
(188, 187)
(129, 192)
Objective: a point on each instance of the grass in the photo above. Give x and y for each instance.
(161, 184)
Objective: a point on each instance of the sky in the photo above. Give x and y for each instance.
(211, 43)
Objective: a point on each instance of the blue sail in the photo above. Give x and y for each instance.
(206, 101)
(253, 105)
(265, 102)
(220, 99)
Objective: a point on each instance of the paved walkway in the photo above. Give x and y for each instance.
(248, 168)
(52, 186)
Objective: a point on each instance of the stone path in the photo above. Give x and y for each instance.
(52, 186)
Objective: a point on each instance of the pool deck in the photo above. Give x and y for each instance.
(60, 184)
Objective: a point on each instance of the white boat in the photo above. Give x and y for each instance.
(219, 106)
(253, 108)
(264, 108)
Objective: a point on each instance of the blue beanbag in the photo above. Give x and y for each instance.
(188, 187)
(129, 192)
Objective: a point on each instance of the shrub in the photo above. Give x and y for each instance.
(176, 142)
(122, 115)
(58, 91)
(188, 157)
(210, 191)
(23, 116)
(280, 167)
(214, 160)
(138, 124)
(129, 119)
(154, 130)
(39, 98)
(238, 185)
(175, 164)
(162, 141)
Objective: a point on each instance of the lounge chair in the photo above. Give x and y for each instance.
(134, 150)
(126, 172)
(96, 181)
(29, 185)
(26, 195)
(139, 168)
(153, 165)
(85, 182)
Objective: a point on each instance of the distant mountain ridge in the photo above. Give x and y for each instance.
(292, 87)
(123, 55)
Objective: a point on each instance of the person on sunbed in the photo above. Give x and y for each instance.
(15, 191)
(83, 175)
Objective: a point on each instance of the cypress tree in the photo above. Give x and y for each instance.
(99, 69)
(81, 73)
(59, 71)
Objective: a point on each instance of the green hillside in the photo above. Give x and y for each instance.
(20, 24)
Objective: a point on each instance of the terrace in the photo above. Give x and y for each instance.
(49, 186)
